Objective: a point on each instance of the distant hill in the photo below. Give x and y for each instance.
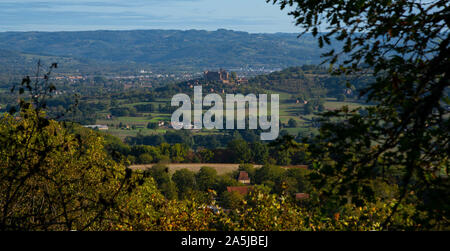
(15, 62)
(192, 49)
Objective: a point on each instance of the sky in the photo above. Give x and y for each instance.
(254, 16)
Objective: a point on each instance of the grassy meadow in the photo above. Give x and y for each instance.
(131, 126)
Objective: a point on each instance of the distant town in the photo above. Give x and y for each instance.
(148, 78)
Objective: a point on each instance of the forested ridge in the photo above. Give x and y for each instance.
(174, 49)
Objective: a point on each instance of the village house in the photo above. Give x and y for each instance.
(243, 178)
(243, 190)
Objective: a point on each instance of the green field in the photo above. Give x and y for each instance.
(288, 110)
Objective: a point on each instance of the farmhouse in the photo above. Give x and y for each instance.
(243, 178)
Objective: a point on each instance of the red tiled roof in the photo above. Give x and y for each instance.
(243, 175)
(301, 196)
(242, 190)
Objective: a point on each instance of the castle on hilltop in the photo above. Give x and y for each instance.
(217, 76)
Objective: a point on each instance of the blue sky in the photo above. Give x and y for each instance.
(254, 16)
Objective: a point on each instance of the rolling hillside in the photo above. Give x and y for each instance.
(192, 49)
